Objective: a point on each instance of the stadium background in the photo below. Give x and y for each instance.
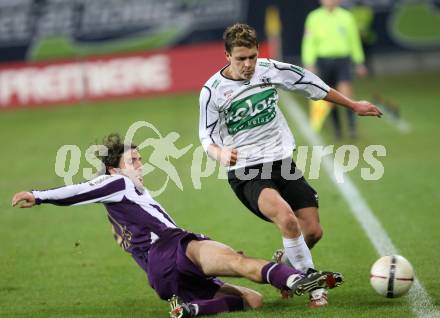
(102, 65)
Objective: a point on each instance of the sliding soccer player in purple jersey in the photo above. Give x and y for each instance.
(181, 266)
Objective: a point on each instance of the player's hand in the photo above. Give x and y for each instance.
(228, 157)
(23, 200)
(364, 108)
(361, 70)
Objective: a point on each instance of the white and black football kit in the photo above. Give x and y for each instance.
(244, 114)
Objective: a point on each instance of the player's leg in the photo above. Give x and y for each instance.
(261, 196)
(217, 259)
(229, 298)
(296, 249)
(205, 307)
(328, 72)
(303, 199)
(214, 258)
(344, 85)
(310, 226)
(275, 208)
(312, 231)
(352, 123)
(264, 200)
(336, 120)
(251, 298)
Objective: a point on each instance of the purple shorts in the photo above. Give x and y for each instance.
(170, 272)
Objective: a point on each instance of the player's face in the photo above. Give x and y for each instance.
(131, 161)
(330, 3)
(242, 62)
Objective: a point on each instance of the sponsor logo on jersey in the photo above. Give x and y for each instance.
(252, 111)
(264, 64)
(228, 93)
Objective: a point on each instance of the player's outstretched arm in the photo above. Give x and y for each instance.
(101, 189)
(23, 200)
(362, 108)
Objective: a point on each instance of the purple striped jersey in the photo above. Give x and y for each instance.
(137, 219)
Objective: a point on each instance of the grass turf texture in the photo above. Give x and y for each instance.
(63, 262)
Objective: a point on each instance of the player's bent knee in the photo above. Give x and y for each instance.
(287, 222)
(313, 237)
(236, 261)
(271, 203)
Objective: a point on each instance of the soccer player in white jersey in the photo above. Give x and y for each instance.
(242, 126)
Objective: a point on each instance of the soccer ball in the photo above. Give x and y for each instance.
(392, 276)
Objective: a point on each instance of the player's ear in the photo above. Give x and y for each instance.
(228, 56)
(113, 170)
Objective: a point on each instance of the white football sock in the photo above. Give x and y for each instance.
(298, 253)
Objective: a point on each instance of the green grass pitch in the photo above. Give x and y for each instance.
(63, 262)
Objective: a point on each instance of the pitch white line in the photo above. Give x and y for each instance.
(420, 301)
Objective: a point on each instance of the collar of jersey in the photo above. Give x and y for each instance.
(230, 79)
